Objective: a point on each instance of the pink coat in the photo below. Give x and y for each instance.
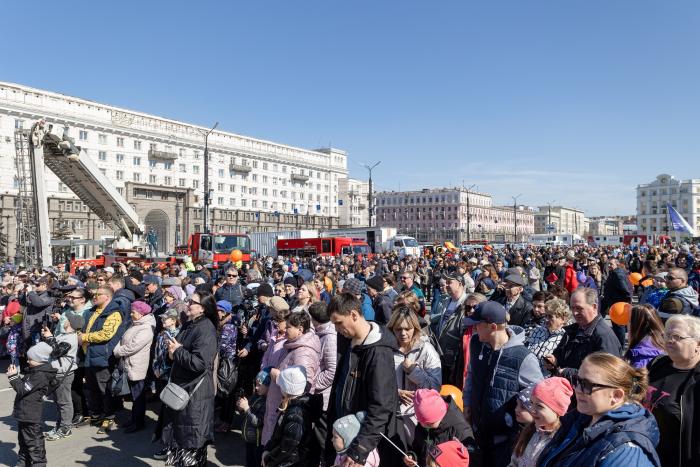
(305, 351)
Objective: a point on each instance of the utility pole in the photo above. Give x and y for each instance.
(469, 211)
(370, 201)
(549, 216)
(206, 177)
(515, 217)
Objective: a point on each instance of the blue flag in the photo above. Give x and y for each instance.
(679, 224)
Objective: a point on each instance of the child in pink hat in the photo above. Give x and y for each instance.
(549, 401)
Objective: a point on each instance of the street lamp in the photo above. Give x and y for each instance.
(207, 195)
(469, 212)
(371, 207)
(515, 217)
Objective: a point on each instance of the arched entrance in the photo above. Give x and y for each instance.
(159, 221)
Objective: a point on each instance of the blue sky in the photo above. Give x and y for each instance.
(571, 101)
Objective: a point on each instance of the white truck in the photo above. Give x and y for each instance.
(380, 239)
(403, 245)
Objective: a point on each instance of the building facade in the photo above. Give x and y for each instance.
(560, 220)
(157, 164)
(353, 203)
(457, 214)
(653, 197)
(612, 225)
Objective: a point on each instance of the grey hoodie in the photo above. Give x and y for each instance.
(687, 293)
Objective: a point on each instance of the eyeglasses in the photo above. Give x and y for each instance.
(231, 275)
(405, 278)
(675, 337)
(671, 278)
(585, 386)
(193, 302)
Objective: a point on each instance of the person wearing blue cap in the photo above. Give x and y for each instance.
(499, 368)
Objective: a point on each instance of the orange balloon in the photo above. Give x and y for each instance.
(647, 283)
(236, 255)
(635, 277)
(620, 313)
(455, 393)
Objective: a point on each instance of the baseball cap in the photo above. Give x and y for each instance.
(489, 312)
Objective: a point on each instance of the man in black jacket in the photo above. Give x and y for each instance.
(617, 288)
(364, 380)
(519, 309)
(38, 305)
(232, 290)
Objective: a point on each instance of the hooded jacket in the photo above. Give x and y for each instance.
(643, 353)
(688, 296)
(31, 389)
(362, 382)
(627, 435)
(326, 371)
(452, 426)
(617, 288)
(305, 350)
(134, 347)
(494, 379)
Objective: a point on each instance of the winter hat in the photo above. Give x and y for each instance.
(450, 454)
(263, 376)
(291, 281)
(76, 322)
(40, 352)
(555, 393)
(292, 380)
(265, 290)
(176, 291)
(224, 305)
(279, 304)
(151, 279)
(352, 286)
(141, 308)
(170, 281)
(525, 397)
(376, 282)
(429, 405)
(348, 427)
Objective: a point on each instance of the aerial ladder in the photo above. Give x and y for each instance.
(39, 147)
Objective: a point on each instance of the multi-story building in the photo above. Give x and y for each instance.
(457, 214)
(353, 202)
(653, 197)
(612, 225)
(560, 220)
(157, 164)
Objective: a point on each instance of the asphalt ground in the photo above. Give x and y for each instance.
(116, 449)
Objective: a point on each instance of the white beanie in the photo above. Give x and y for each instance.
(292, 380)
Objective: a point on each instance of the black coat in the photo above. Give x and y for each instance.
(369, 384)
(291, 442)
(31, 389)
(38, 306)
(520, 313)
(193, 427)
(617, 288)
(452, 426)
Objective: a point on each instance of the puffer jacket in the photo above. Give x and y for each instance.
(305, 350)
(427, 374)
(326, 371)
(290, 445)
(135, 346)
(627, 435)
(31, 389)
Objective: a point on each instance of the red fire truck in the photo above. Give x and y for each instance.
(215, 247)
(325, 246)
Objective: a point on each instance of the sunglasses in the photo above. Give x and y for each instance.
(231, 275)
(585, 386)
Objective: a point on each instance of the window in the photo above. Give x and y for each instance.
(137, 177)
(152, 179)
(264, 191)
(104, 171)
(168, 180)
(221, 173)
(152, 164)
(120, 190)
(62, 187)
(137, 160)
(152, 146)
(264, 178)
(19, 124)
(120, 142)
(120, 175)
(195, 169)
(254, 203)
(120, 157)
(181, 182)
(137, 144)
(183, 168)
(195, 184)
(102, 139)
(220, 200)
(244, 202)
(264, 165)
(255, 177)
(102, 155)
(220, 187)
(168, 165)
(83, 135)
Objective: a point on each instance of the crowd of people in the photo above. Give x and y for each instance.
(488, 357)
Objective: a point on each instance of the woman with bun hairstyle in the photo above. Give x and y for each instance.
(609, 426)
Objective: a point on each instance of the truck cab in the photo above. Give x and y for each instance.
(404, 245)
(217, 247)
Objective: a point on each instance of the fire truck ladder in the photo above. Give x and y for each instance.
(28, 251)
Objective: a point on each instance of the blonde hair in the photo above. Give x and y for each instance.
(690, 322)
(404, 313)
(407, 299)
(558, 308)
(314, 294)
(621, 375)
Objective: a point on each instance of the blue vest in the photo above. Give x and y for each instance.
(98, 355)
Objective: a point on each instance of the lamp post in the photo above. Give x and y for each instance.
(515, 217)
(177, 220)
(370, 203)
(469, 212)
(206, 177)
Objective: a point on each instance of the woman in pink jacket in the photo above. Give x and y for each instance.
(302, 347)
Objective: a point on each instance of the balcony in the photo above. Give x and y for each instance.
(154, 154)
(240, 168)
(301, 178)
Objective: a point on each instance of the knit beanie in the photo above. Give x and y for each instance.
(555, 393)
(348, 427)
(40, 352)
(141, 308)
(292, 380)
(376, 282)
(352, 286)
(429, 405)
(76, 322)
(176, 291)
(450, 454)
(265, 290)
